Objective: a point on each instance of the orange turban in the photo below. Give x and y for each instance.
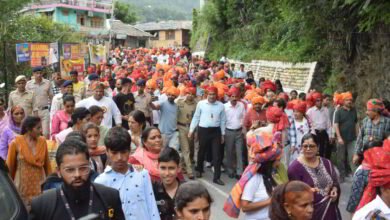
(300, 107)
(268, 84)
(219, 75)
(346, 95)
(250, 95)
(292, 103)
(212, 89)
(283, 96)
(190, 90)
(151, 83)
(375, 105)
(338, 98)
(173, 91)
(258, 100)
(234, 91)
(273, 114)
(316, 95)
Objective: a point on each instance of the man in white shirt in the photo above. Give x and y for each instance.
(107, 104)
(240, 74)
(235, 113)
(163, 58)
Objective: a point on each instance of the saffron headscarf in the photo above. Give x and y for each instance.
(264, 153)
(377, 159)
(258, 100)
(173, 91)
(190, 90)
(273, 114)
(300, 106)
(375, 105)
(268, 84)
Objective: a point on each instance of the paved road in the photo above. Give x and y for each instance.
(220, 193)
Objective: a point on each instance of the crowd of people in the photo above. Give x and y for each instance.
(128, 138)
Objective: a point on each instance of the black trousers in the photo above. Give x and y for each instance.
(210, 138)
(322, 140)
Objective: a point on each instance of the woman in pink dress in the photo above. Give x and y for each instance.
(62, 117)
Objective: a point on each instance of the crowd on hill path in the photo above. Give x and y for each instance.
(128, 138)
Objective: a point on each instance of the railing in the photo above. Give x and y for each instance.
(101, 4)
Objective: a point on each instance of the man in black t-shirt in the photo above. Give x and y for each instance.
(125, 101)
(346, 127)
(165, 189)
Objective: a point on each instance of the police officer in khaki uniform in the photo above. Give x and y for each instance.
(186, 109)
(42, 88)
(22, 97)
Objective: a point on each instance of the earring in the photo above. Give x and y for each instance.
(289, 214)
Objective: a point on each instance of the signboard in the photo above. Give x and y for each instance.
(39, 54)
(69, 65)
(23, 52)
(67, 51)
(53, 53)
(97, 54)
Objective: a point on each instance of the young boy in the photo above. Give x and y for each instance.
(135, 187)
(165, 190)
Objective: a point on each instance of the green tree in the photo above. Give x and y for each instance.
(125, 13)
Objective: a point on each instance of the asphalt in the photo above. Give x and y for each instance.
(220, 193)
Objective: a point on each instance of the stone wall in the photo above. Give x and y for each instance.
(296, 76)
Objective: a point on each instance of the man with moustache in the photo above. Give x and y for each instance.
(135, 187)
(78, 196)
(168, 120)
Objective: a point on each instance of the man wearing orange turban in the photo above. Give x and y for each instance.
(256, 115)
(319, 119)
(168, 119)
(346, 128)
(374, 128)
(234, 140)
(219, 75)
(374, 203)
(210, 119)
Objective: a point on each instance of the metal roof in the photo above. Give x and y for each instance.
(165, 25)
(118, 27)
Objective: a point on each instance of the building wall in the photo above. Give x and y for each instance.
(162, 41)
(70, 17)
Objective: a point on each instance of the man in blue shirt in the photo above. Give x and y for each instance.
(211, 118)
(135, 188)
(168, 119)
(240, 74)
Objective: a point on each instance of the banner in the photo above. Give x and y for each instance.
(53, 53)
(67, 50)
(23, 52)
(75, 51)
(39, 54)
(97, 54)
(69, 65)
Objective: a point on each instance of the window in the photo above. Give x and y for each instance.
(97, 22)
(81, 20)
(170, 35)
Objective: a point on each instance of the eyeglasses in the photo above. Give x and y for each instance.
(83, 170)
(309, 146)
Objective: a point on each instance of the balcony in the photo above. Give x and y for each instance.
(104, 6)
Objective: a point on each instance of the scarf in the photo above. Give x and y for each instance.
(377, 159)
(149, 160)
(38, 159)
(97, 151)
(12, 125)
(263, 153)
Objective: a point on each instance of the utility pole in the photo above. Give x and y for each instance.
(111, 22)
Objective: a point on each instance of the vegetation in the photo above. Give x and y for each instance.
(125, 12)
(154, 10)
(290, 30)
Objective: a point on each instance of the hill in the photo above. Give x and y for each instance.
(157, 10)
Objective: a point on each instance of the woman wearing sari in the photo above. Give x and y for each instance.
(28, 160)
(12, 128)
(318, 173)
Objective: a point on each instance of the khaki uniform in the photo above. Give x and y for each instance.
(142, 103)
(43, 93)
(26, 100)
(185, 112)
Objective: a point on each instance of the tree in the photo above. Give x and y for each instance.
(125, 13)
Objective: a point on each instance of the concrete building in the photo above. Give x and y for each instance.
(168, 33)
(87, 16)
